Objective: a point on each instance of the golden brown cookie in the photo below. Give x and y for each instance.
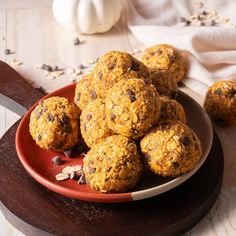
(132, 107)
(166, 57)
(113, 165)
(220, 102)
(114, 66)
(54, 124)
(85, 92)
(171, 110)
(93, 123)
(171, 149)
(164, 83)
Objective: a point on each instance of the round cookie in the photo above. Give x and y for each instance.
(166, 57)
(132, 107)
(171, 149)
(113, 165)
(93, 124)
(114, 66)
(171, 110)
(164, 83)
(54, 124)
(85, 92)
(220, 102)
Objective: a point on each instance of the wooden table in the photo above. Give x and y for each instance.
(42, 40)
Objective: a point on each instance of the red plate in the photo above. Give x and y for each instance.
(37, 161)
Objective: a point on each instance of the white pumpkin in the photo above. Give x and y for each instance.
(87, 16)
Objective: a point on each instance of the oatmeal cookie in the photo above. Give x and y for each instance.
(164, 83)
(93, 123)
(220, 102)
(166, 57)
(132, 107)
(114, 66)
(85, 92)
(171, 149)
(54, 124)
(113, 165)
(171, 110)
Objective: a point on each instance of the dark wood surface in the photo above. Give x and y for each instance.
(35, 210)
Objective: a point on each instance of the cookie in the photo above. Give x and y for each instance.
(220, 102)
(171, 149)
(54, 124)
(114, 66)
(171, 110)
(85, 92)
(132, 107)
(168, 58)
(93, 123)
(113, 165)
(164, 83)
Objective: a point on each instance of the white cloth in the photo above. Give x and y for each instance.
(211, 50)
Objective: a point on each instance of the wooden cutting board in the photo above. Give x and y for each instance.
(35, 210)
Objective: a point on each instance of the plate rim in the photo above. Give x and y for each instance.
(108, 197)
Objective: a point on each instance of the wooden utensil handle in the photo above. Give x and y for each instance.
(14, 86)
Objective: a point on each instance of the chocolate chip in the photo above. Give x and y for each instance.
(89, 117)
(62, 106)
(85, 128)
(213, 22)
(111, 66)
(37, 114)
(7, 51)
(175, 164)
(134, 131)
(76, 41)
(65, 122)
(68, 152)
(39, 137)
(41, 89)
(171, 58)
(64, 119)
(182, 19)
(57, 160)
(131, 95)
(147, 157)
(46, 67)
(186, 141)
(232, 93)
(218, 91)
(204, 13)
(152, 53)
(187, 22)
(112, 116)
(81, 66)
(93, 94)
(75, 175)
(50, 117)
(135, 66)
(91, 170)
(159, 51)
(100, 75)
(202, 24)
(44, 109)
